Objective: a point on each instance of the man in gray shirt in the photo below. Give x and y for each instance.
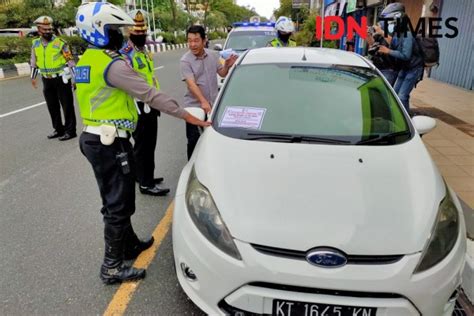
(199, 68)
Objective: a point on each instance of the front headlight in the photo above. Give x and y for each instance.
(443, 236)
(206, 217)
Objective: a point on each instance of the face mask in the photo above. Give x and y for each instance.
(284, 37)
(47, 36)
(115, 40)
(391, 28)
(138, 40)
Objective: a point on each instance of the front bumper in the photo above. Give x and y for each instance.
(225, 285)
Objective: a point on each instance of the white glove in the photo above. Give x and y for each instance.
(66, 75)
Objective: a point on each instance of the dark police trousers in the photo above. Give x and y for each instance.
(117, 189)
(57, 94)
(193, 133)
(145, 136)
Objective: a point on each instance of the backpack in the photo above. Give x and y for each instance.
(429, 49)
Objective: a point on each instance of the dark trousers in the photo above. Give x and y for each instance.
(57, 94)
(117, 189)
(192, 133)
(145, 136)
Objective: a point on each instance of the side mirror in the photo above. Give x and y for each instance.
(424, 124)
(196, 112)
(218, 47)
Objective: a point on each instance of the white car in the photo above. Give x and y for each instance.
(312, 194)
(244, 36)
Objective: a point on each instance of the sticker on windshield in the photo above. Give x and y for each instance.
(243, 117)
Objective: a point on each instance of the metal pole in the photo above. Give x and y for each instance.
(153, 19)
(148, 15)
(141, 4)
(322, 23)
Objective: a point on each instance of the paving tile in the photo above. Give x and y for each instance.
(459, 184)
(467, 197)
(441, 160)
(451, 170)
(441, 143)
(452, 151)
(468, 169)
(462, 160)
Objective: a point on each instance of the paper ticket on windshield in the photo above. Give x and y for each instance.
(243, 117)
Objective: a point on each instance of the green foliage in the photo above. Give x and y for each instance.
(18, 49)
(216, 35)
(14, 50)
(306, 35)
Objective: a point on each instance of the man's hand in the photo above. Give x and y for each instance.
(230, 61)
(378, 29)
(195, 121)
(384, 49)
(34, 83)
(206, 106)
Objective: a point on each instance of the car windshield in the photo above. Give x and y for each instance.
(243, 40)
(321, 104)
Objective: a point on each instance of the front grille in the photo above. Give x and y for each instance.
(351, 259)
(310, 290)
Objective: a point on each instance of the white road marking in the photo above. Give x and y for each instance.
(21, 110)
(158, 67)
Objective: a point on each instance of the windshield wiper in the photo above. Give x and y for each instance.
(383, 139)
(294, 138)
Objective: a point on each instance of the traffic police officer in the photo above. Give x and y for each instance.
(145, 134)
(106, 85)
(284, 27)
(51, 57)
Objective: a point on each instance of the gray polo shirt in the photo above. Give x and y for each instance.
(204, 72)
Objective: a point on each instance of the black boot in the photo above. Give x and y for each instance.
(134, 246)
(113, 270)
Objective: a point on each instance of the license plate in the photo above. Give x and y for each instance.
(293, 308)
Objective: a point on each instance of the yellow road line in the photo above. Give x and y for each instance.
(124, 294)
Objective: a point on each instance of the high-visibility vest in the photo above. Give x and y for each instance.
(142, 63)
(277, 43)
(100, 103)
(49, 59)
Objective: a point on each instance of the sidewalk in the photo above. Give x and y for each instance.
(451, 145)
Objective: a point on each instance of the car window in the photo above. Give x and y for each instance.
(4, 33)
(244, 40)
(337, 102)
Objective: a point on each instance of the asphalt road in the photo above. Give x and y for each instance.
(51, 230)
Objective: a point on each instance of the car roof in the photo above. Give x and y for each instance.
(325, 56)
(252, 28)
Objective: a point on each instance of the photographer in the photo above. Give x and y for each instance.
(404, 50)
(383, 62)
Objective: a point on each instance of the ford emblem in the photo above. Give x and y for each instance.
(326, 257)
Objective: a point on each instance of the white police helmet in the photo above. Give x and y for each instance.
(43, 20)
(285, 25)
(94, 19)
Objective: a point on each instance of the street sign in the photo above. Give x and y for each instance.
(296, 4)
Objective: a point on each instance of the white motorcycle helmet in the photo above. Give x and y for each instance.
(94, 19)
(284, 25)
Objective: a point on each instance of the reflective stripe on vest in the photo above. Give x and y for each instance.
(49, 59)
(100, 103)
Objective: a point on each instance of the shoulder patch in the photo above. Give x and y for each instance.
(112, 53)
(36, 42)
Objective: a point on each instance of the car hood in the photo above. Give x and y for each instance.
(363, 200)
